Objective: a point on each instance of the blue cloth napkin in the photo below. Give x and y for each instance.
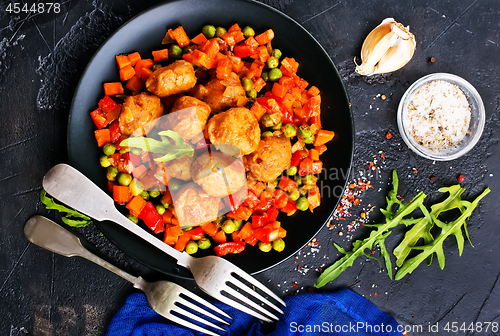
(339, 313)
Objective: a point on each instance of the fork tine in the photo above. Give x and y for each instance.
(201, 310)
(188, 314)
(258, 285)
(239, 306)
(251, 303)
(255, 294)
(191, 325)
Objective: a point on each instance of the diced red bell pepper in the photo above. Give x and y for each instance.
(262, 235)
(297, 157)
(107, 104)
(280, 198)
(272, 214)
(229, 247)
(235, 236)
(99, 118)
(252, 200)
(196, 233)
(242, 50)
(287, 183)
(114, 128)
(242, 213)
(290, 208)
(152, 218)
(259, 221)
(306, 167)
(246, 231)
(251, 240)
(317, 166)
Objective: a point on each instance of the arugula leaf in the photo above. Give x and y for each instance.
(447, 229)
(165, 146)
(377, 236)
(50, 204)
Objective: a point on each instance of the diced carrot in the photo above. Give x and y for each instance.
(259, 84)
(233, 37)
(135, 84)
(180, 36)
(279, 90)
(211, 48)
(122, 61)
(180, 245)
(167, 217)
(322, 137)
(289, 66)
(145, 74)
(265, 37)
(136, 205)
(251, 42)
(139, 171)
(263, 53)
(112, 89)
(169, 238)
(313, 91)
(126, 73)
(160, 55)
(121, 194)
(134, 58)
(199, 39)
(199, 58)
(175, 221)
(321, 149)
(313, 154)
(234, 27)
(241, 101)
(143, 63)
(237, 63)
(220, 237)
(224, 68)
(103, 136)
(209, 228)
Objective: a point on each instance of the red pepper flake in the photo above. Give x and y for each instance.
(388, 135)
(461, 178)
(415, 170)
(295, 285)
(370, 165)
(433, 178)
(382, 156)
(356, 201)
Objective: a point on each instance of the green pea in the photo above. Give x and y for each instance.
(109, 148)
(186, 49)
(309, 140)
(160, 208)
(228, 226)
(247, 84)
(290, 130)
(265, 76)
(308, 179)
(267, 134)
(304, 131)
(275, 74)
(124, 179)
(276, 53)
(174, 184)
(266, 120)
(248, 31)
(298, 180)
(174, 51)
(133, 219)
(292, 170)
(111, 173)
(219, 220)
(155, 67)
(277, 127)
(136, 151)
(104, 161)
(144, 194)
(279, 245)
(219, 31)
(294, 194)
(124, 150)
(303, 190)
(208, 31)
(154, 193)
(272, 62)
(238, 223)
(265, 247)
(165, 205)
(187, 228)
(204, 243)
(302, 204)
(252, 93)
(191, 247)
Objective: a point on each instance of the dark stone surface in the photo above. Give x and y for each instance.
(42, 57)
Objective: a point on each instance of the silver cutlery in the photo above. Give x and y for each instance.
(163, 296)
(212, 274)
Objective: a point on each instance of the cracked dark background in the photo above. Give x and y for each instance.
(42, 57)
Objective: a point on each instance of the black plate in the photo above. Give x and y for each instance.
(144, 34)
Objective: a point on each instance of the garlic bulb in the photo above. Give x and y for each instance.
(387, 48)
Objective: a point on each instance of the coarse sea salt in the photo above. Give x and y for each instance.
(438, 115)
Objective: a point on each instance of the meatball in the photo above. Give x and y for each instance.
(188, 117)
(176, 78)
(218, 174)
(193, 206)
(215, 90)
(271, 157)
(180, 168)
(238, 128)
(140, 112)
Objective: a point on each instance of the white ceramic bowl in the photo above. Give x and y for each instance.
(476, 124)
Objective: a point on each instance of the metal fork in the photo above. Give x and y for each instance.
(163, 296)
(212, 274)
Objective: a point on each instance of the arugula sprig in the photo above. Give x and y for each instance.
(72, 218)
(169, 150)
(420, 228)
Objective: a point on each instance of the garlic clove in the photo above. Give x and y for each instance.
(387, 48)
